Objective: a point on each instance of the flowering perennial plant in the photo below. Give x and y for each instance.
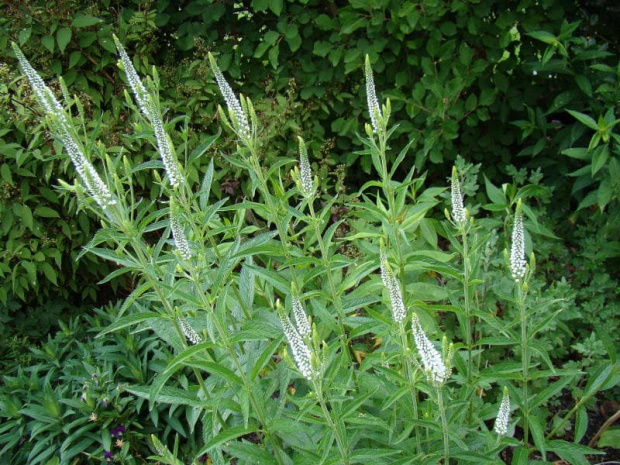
(371, 96)
(518, 264)
(64, 131)
(391, 283)
(146, 103)
(503, 415)
(459, 215)
(437, 369)
(238, 117)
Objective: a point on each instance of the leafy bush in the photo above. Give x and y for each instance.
(215, 282)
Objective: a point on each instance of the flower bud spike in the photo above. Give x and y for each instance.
(236, 113)
(503, 415)
(307, 186)
(191, 335)
(301, 352)
(301, 319)
(180, 241)
(399, 311)
(371, 96)
(458, 210)
(435, 368)
(518, 264)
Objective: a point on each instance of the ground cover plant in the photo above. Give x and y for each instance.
(299, 332)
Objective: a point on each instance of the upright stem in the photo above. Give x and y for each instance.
(336, 299)
(467, 307)
(524, 362)
(444, 426)
(343, 447)
(407, 363)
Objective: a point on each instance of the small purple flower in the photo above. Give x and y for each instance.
(117, 432)
(202, 459)
(104, 402)
(83, 397)
(107, 455)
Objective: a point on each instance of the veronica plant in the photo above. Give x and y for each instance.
(211, 278)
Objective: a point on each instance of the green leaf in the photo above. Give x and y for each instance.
(48, 42)
(581, 424)
(5, 172)
(227, 435)
(129, 320)
(599, 157)
(276, 6)
(610, 438)
(46, 212)
(81, 20)
(495, 194)
(265, 357)
(538, 433)
(584, 119)
(63, 37)
(575, 454)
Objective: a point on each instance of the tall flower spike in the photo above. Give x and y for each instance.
(301, 319)
(307, 185)
(180, 241)
(237, 115)
(62, 128)
(191, 335)
(139, 91)
(371, 95)
(503, 416)
(434, 366)
(150, 111)
(518, 264)
(391, 283)
(301, 352)
(458, 210)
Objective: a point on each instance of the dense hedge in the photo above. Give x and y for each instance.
(468, 78)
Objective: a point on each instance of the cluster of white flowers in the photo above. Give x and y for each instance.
(391, 283)
(191, 335)
(518, 264)
(62, 127)
(437, 369)
(307, 185)
(237, 115)
(301, 352)
(458, 210)
(503, 416)
(371, 95)
(180, 241)
(148, 108)
(301, 319)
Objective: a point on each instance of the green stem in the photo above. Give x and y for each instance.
(444, 426)
(336, 299)
(407, 362)
(524, 362)
(340, 441)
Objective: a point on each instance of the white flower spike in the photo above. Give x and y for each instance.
(503, 416)
(391, 283)
(307, 185)
(371, 95)
(436, 370)
(237, 115)
(62, 128)
(180, 241)
(191, 335)
(148, 108)
(301, 352)
(518, 264)
(458, 210)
